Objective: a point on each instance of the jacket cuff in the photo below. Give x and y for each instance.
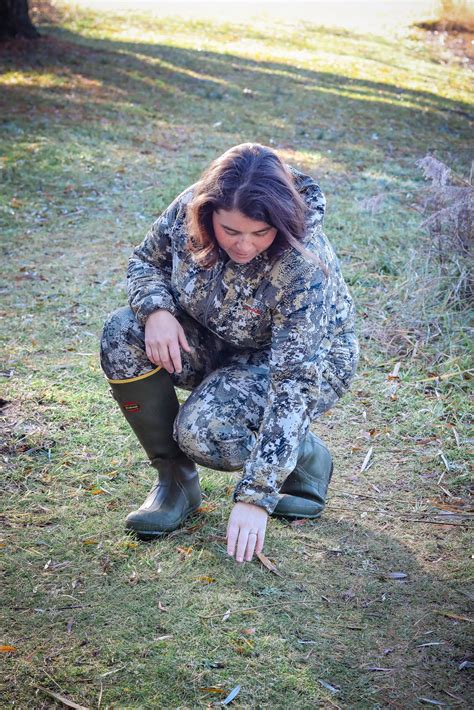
(150, 304)
(263, 496)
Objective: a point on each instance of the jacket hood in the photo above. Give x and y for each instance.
(312, 195)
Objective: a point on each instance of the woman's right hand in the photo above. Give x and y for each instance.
(163, 337)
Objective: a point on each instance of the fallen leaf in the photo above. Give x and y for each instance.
(456, 436)
(7, 649)
(426, 440)
(57, 565)
(332, 688)
(207, 580)
(232, 695)
(394, 374)
(269, 565)
(429, 701)
(374, 433)
(207, 508)
(97, 491)
(185, 550)
(90, 541)
(161, 607)
(300, 521)
(456, 505)
(193, 528)
(244, 647)
(366, 460)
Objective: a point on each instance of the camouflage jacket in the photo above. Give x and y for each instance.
(288, 307)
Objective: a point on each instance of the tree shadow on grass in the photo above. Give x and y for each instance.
(158, 79)
(338, 614)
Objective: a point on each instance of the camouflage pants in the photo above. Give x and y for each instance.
(218, 423)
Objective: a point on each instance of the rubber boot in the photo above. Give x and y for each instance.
(149, 404)
(304, 491)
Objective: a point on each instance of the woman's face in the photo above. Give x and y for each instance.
(240, 237)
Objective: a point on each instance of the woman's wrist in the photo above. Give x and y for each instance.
(158, 311)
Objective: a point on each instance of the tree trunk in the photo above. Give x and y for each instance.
(15, 20)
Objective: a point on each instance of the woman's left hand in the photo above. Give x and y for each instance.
(246, 531)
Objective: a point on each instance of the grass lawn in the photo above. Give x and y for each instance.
(103, 121)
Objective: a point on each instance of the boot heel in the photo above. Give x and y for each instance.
(303, 494)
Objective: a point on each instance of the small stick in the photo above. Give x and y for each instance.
(252, 608)
(62, 699)
(436, 522)
(367, 495)
(445, 376)
(450, 495)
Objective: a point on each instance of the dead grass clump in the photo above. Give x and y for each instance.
(445, 259)
(439, 285)
(449, 205)
(452, 16)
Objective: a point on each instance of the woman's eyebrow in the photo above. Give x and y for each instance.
(264, 229)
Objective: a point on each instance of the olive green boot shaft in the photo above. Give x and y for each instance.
(149, 404)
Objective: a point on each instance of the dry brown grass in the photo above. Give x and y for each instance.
(453, 16)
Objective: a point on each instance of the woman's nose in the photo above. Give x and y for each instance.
(244, 241)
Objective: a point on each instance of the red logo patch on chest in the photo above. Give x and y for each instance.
(253, 310)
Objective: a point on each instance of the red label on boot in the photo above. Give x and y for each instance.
(131, 407)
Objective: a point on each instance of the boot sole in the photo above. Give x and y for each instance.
(152, 534)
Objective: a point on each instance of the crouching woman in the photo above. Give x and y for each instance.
(236, 295)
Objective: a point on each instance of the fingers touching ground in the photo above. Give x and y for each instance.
(246, 531)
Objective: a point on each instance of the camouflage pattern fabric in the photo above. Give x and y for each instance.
(274, 344)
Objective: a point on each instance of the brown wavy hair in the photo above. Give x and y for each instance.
(250, 178)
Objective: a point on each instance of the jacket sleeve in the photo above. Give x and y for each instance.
(300, 341)
(150, 267)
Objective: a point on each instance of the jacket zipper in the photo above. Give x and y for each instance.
(211, 298)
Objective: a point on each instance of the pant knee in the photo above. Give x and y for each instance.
(121, 345)
(115, 325)
(211, 442)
